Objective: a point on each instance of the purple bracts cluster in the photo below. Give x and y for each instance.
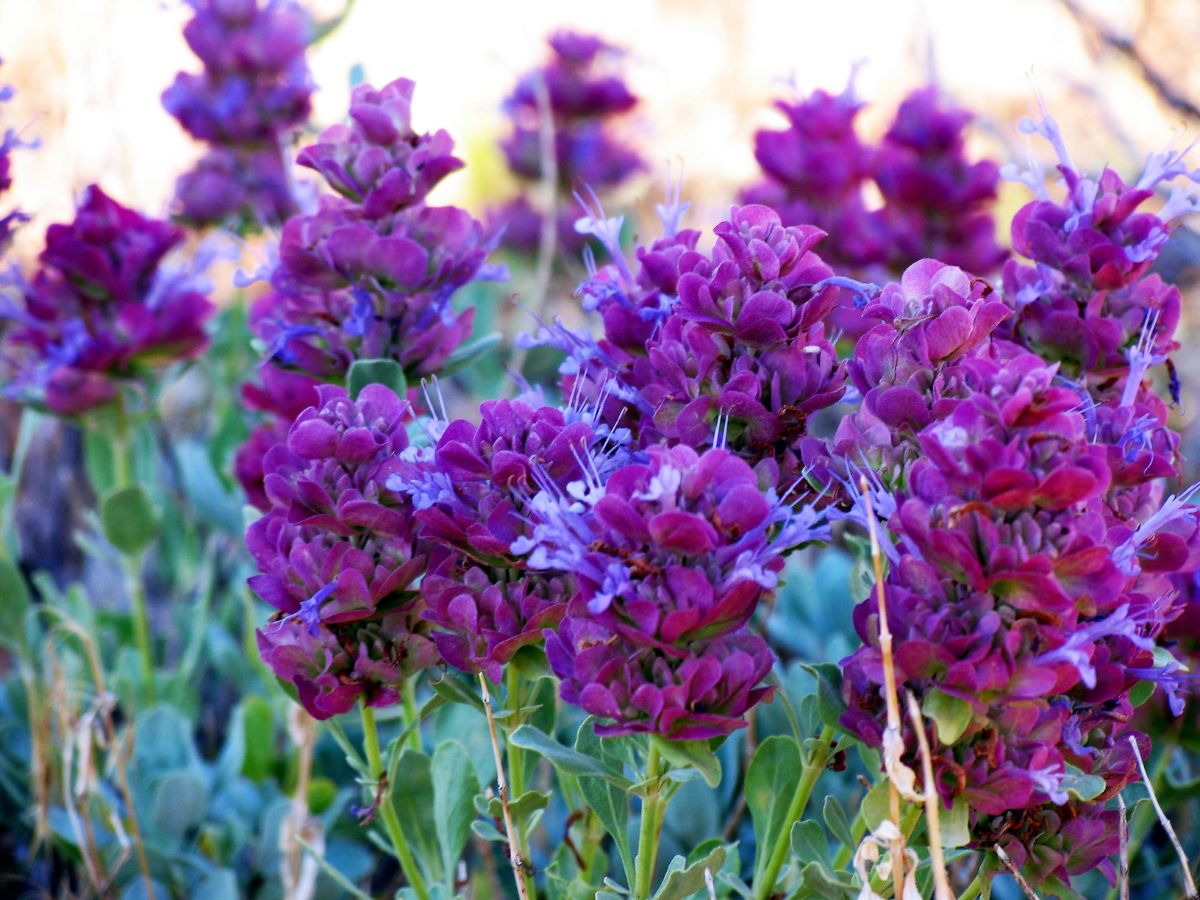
(935, 202)
(336, 552)
(671, 557)
(483, 600)
(254, 89)
(724, 348)
(370, 274)
(585, 94)
(1006, 592)
(102, 308)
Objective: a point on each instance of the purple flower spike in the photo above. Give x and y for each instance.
(254, 89)
(103, 308)
(585, 96)
(935, 201)
(338, 557)
(377, 161)
(371, 273)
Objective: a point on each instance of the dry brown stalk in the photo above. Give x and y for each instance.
(889, 680)
(1016, 874)
(1188, 882)
(941, 881)
(514, 852)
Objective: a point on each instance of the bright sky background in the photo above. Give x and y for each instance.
(89, 74)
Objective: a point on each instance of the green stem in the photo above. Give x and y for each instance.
(387, 810)
(652, 817)
(516, 770)
(764, 885)
(516, 761)
(411, 715)
(975, 888)
(133, 563)
(141, 623)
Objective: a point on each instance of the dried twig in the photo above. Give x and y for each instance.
(941, 881)
(1016, 873)
(120, 750)
(1127, 48)
(889, 679)
(299, 869)
(1123, 837)
(514, 852)
(1189, 884)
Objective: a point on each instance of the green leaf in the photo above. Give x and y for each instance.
(875, 806)
(205, 491)
(1140, 693)
(130, 521)
(454, 788)
(218, 884)
(469, 352)
(955, 824)
(680, 882)
(457, 690)
(770, 783)
(412, 788)
(697, 755)
(259, 724)
(1082, 785)
(563, 758)
(488, 831)
(830, 705)
(951, 714)
(521, 808)
(387, 372)
(609, 802)
(839, 824)
(816, 881)
(809, 842)
(180, 803)
(99, 457)
(322, 792)
(14, 605)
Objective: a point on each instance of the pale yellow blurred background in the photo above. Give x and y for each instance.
(89, 74)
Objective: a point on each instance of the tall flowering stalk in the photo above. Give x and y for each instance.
(103, 311)
(1020, 622)
(371, 274)
(935, 202)
(255, 88)
(582, 94)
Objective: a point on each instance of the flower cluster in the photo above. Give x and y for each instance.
(370, 274)
(337, 556)
(1025, 608)
(671, 557)
(102, 309)
(935, 202)
(255, 87)
(469, 490)
(723, 348)
(583, 95)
